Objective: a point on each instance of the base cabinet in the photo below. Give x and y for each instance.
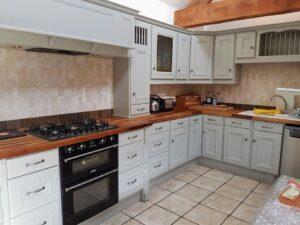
(237, 148)
(212, 141)
(195, 140)
(178, 146)
(266, 149)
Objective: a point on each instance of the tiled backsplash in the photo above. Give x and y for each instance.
(40, 84)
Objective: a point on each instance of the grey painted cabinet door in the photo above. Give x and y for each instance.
(212, 141)
(178, 147)
(266, 149)
(195, 140)
(224, 57)
(183, 56)
(245, 45)
(237, 148)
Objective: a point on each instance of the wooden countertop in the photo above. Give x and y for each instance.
(30, 144)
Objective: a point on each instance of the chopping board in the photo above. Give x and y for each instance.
(222, 108)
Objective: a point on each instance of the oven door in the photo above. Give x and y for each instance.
(86, 198)
(96, 161)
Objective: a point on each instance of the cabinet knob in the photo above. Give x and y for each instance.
(252, 47)
(254, 141)
(203, 132)
(178, 70)
(230, 70)
(172, 140)
(133, 94)
(154, 68)
(246, 139)
(192, 70)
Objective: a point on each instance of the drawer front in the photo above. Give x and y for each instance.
(131, 156)
(47, 215)
(160, 127)
(131, 137)
(131, 182)
(268, 127)
(213, 120)
(195, 119)
(32, 191)
(240, 123)
(158, 165)
(31, 163)
(159, 144)
(139, 109)
(175, 124)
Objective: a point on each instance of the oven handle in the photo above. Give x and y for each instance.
(89, 153)
(90, 181)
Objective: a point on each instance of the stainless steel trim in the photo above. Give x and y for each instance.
(35, 163)
(89, 153)
(35, 191)
(89, 181)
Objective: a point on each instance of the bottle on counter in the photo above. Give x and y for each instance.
(209, 98)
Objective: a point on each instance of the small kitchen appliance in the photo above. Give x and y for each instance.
(161, 104)
(6, 134)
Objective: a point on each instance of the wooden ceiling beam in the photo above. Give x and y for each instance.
(208, 12)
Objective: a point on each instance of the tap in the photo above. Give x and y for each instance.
(283, 99)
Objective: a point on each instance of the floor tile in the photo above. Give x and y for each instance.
(137, 208)
(207, 183)
(205, 216)
(157, 216)
(245, 212)
(263, 188)
(221, 203)
(193, 193)
(255, 199)
(187, 176)
(243, 182)
(177, 204)
(234, 221)
(197, 169)
(118, 219)
(133, 222)
(233, 192)
(157, 194)
(218, 175)
(183, 221)
(172, 185)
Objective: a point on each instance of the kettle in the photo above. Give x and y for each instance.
(156, 104)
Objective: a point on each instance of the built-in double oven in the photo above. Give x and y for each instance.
(89, 178)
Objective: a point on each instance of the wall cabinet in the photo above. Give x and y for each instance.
(178, 146)
(224, 66)
(201, 63)
(245, 45)
(212, 141)
(164, 50)
(237, 146)
(195, 140)
(266, 151)
(183, 56)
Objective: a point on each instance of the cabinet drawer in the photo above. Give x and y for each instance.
(47, 215)
(240, 123)
(160, 127)
(213, 120)
(159, 144)
(131, 156)
(31, 163)
(33, 191)
(139, 109)
(131, 181)
(195, 119)
(268, 127)
(131, 137)
(175, 124)
(158, 165)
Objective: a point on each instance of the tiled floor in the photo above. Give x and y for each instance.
(197, 196)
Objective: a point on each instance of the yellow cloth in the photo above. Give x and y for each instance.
(269, 112)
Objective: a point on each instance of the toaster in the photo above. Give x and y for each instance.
(161, 104)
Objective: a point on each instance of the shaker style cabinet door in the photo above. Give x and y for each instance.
(237, 149)
(195, 140)
(183, 56)
(245, 45)
(224, 57)
(212, 141)
(164, 50)
(266, 151)
(201, 63)
(178, 147)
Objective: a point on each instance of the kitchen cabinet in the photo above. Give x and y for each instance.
(266, 151)
(245, 45)
(195, 140)
(201, 63)
(178, 146)
(237, 146)
(164, 50)
(224, 67)
(212, 141)
(183, 56)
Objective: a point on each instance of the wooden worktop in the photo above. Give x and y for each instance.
(30, 144)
